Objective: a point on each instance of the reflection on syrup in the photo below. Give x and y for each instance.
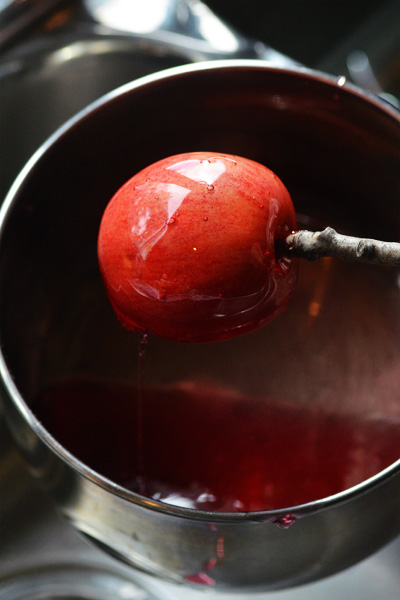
(213, 449)
(321, 288)
(202, 171)
(145, 228)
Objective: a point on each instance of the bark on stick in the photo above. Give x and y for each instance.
(312, 245)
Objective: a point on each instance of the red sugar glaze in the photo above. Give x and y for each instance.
(214, 449)
(187, 247)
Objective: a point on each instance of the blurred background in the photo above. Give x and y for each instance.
(323, 33)
(57, 56)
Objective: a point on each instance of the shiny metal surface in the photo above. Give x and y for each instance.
(172, 542)
(41, 552)
(182, 26)
(43, 82)
(47, 79)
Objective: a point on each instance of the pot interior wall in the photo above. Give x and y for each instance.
(337, 154)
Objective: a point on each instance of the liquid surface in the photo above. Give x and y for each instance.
(210, 448)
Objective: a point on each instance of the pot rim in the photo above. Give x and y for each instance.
(82, 469)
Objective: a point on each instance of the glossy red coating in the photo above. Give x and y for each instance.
(187, 247)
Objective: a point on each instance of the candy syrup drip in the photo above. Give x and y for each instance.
(143, 344)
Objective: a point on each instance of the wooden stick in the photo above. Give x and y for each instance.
(312, 245)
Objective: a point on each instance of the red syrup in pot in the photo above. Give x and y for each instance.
(213, 449)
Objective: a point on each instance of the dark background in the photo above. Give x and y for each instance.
(321, 33)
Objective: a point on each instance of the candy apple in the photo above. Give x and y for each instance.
(186, 247)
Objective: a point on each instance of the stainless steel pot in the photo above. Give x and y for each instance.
(336, 148)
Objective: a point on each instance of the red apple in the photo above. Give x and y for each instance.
(187, 247)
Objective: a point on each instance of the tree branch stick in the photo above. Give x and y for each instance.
(312, 245)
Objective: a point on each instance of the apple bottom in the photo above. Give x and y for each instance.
(202, 320)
